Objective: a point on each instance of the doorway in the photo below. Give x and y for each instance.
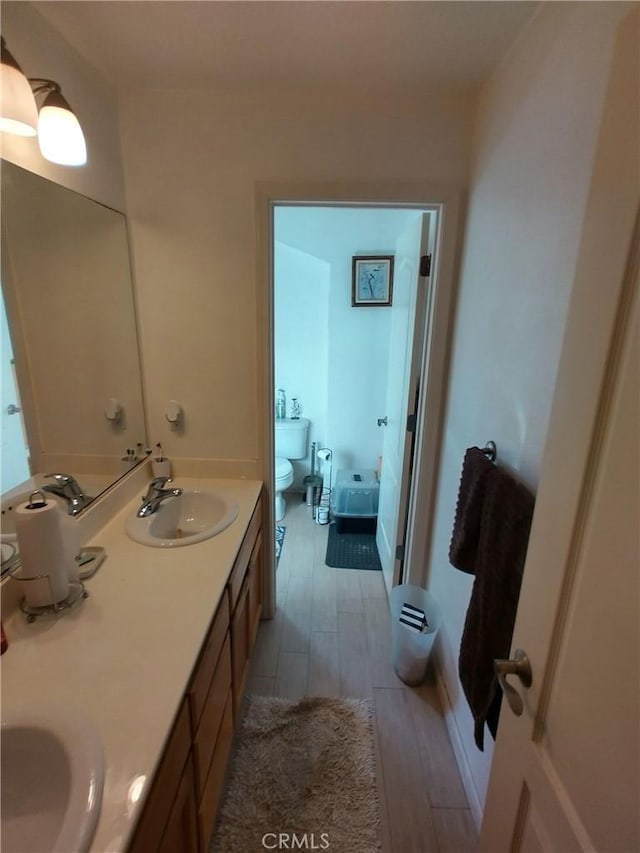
(443, 204)
(342, 365)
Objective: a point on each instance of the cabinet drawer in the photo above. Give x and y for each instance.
(205, 668)
(205, 739)
(164, 787)
(242, 560)
(215, 779)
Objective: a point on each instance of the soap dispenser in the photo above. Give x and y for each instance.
(281, 405)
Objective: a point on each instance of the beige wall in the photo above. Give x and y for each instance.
(536, 136)
(192, 159)
(42, 52)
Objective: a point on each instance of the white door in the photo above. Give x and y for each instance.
(405, 348)
(565, 774)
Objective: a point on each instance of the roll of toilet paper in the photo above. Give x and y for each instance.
(42, 552)
(324, 454)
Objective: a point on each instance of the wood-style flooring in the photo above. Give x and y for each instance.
(331, 637)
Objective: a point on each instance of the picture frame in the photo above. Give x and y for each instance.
(372, 281)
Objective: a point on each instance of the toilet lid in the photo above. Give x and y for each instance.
(283, 467)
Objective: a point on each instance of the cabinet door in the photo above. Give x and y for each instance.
(175, 763)
(255, 590)
(215, 780)
(240, 645)
(205, 669)
(181, 831)
(204, 739)
(239, 570)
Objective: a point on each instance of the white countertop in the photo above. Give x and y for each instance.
(124, 656)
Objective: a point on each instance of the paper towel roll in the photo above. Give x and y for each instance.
(42, 552)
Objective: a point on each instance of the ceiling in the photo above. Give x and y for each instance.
(329, 232)
(189, 44)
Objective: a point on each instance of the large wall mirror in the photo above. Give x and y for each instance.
(71, 379)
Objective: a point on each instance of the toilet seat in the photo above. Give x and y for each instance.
(284, 473)
(284, 478)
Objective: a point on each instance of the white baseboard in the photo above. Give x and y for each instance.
(459, 751)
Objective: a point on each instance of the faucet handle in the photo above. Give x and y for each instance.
(159, 482)
(61, 479)
(68, 484)
(154, 488)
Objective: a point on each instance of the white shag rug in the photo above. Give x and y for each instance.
(302, 776)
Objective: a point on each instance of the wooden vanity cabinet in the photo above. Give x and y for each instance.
(181, 832)
(255, 589)
(240, 646)
(164, 810)
(180, 812)
(245, 622)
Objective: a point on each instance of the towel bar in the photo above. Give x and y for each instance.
(490, 451)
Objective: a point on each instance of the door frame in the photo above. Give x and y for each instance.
(416, 350)
(446, 201)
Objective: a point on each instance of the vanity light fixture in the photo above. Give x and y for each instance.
(59, 133)
(19, 108)
(60, 136)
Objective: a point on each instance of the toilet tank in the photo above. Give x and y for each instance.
(291, 438)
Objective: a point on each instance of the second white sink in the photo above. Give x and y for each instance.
(52, 777)
(193, 516)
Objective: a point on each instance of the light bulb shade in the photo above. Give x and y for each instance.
(18, 109)
(59, 133)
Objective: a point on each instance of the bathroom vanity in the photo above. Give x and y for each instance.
(180, 811)
(156, 659)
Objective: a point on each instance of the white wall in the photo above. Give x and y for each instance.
(301, 326)
(42, 52)
(192, 160)
(535, 139)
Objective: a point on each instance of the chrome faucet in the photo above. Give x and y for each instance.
(66, 487)
(156, 494)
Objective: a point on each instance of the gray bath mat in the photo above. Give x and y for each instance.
(352, 551)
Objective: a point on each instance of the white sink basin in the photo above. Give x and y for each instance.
(52, 777)
(193, 516)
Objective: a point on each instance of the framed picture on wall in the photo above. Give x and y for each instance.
(372, 281)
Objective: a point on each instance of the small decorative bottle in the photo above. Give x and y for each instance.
(281, 405)
(296, 409)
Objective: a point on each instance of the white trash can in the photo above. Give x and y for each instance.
(412, 639)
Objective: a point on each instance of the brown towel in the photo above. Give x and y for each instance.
(502, 547)
(466, 527)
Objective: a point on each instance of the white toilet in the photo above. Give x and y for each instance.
(291, 443)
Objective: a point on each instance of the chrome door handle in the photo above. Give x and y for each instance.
(12, 409)
(520, 666)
